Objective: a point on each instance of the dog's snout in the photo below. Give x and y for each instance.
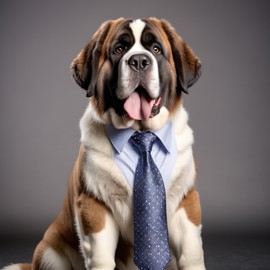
(139, 62)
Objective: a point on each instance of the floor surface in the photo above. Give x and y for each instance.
(222, 252)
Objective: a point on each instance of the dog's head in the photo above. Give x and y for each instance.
(134, 72)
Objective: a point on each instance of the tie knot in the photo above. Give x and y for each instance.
(143, 141)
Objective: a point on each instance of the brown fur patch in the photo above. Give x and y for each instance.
(167, 45)
(191, 204)
(37, 258)
(62, 232)
(108, 40)
(25, 266)
(173, 98)
(92, 214)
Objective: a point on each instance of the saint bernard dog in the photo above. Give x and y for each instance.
(134, 73)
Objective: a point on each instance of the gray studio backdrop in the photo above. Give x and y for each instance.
(41, 105)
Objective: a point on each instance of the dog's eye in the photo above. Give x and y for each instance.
(119, 49)
(157, 49)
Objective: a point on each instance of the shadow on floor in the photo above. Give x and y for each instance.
(222, 251)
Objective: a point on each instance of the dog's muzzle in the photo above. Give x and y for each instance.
(140, 105)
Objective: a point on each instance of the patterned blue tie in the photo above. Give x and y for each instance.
(151, 245)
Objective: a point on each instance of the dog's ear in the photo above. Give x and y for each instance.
(187, 64)
(84, 67)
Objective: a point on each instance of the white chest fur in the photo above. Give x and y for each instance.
(104, 179)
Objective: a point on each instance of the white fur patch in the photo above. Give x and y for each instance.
(104, 245)
(52, 260)
(137, 27)
(99, 248)
(124, 89)
(185, 239)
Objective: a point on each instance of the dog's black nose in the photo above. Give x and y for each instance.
(139, 62)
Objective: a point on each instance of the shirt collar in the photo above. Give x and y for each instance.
(165, 136)
(120, 137)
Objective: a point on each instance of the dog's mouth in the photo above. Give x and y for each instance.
(140, 106)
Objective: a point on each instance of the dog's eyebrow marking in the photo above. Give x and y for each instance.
(137, 27)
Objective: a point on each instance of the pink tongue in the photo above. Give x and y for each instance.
(138, 107)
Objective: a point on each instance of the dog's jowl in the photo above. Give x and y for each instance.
(135, 73)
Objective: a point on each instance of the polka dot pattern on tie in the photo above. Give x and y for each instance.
(151, 247)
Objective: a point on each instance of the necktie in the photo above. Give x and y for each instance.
(151, 247)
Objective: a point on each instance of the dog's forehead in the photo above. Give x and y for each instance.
(140, 26)
(137, 27)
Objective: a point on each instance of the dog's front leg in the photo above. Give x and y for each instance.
(186, 236)
(98, 233)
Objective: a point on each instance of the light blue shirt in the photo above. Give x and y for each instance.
(126, 156)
